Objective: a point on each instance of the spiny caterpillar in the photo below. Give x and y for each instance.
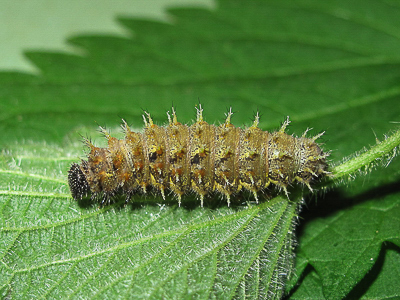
(201, 158)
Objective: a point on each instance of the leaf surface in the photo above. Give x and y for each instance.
(332, 66)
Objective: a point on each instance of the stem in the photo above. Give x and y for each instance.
(387, 148)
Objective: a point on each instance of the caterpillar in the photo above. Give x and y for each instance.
(201, 159)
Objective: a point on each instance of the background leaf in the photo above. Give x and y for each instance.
(333, 66)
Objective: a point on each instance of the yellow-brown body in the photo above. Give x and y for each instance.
(201, 158)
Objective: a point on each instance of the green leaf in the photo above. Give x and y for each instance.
(333, 66)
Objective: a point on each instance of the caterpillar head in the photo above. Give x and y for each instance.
(77, 182)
